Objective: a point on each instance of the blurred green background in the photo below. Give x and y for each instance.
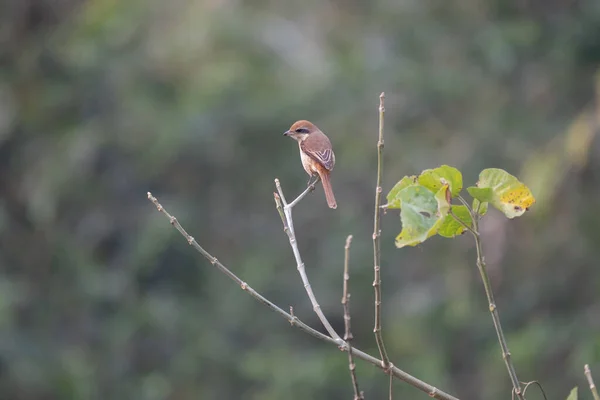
(104, 100)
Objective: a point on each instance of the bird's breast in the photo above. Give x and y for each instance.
(307, 163)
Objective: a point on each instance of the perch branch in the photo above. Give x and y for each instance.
(309, 189)
(358, 395)
(292, 319)
(285, 212)
(588, 375)
(376, 239)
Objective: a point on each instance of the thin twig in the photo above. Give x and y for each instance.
(527, 384)
(213, 260)
(358, 395)
(462, 200)
(390, 392)
(285, 212)
(309, 189)
(588, 375)
(376, 239)
(493, 309)
(292, 319)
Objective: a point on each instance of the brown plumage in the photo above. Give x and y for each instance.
(316, 154)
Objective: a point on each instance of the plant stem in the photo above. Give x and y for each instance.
(493, 309)
(588, 375)
(358, 395)
(376, 239)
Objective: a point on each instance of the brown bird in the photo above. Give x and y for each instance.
(316, 154)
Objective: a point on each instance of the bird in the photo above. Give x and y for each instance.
(316, 154)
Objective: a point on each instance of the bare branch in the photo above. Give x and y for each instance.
(285, 212)
(376, 239)
(588, 375)
(358, 395)
(243, 285)
(292, 319)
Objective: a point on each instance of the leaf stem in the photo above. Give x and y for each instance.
(462, 200)
(460, 221)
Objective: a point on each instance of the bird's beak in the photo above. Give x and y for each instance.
(286, 133)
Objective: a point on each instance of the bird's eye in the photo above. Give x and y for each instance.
(302, 130)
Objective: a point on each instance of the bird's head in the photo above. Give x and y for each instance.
(300, 130)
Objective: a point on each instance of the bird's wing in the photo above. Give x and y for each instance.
(318, 147)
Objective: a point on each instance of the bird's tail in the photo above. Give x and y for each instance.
(327, 188)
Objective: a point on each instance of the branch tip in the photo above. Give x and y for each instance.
(348, 241)
(590, 379)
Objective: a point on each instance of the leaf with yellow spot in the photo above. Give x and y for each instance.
(503, 191)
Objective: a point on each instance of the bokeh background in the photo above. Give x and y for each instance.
(104, 100)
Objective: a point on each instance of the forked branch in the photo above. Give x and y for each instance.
(293, 320)
(285, 212)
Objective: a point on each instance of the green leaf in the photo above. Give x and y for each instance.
(573, 394)
(503, 191)
(480, 207)
(451, 227)
(393, 198)
(484, 195)
(434, 179)
(423, 211)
